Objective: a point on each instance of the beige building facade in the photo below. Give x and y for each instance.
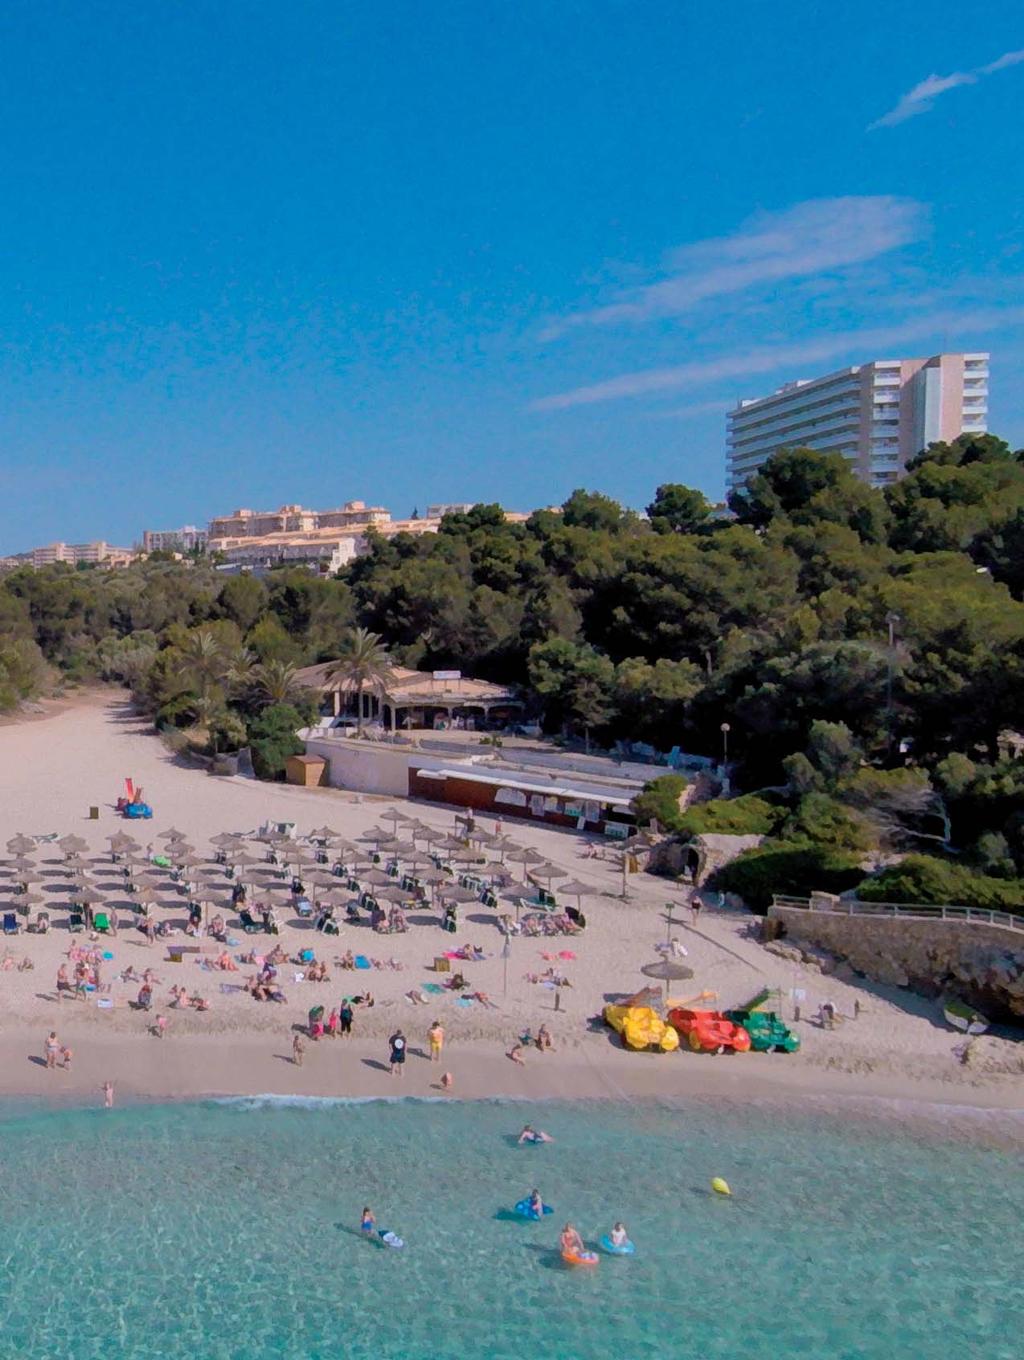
(878, 415)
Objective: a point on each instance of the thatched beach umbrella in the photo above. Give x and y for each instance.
(544, 873)
(87, 896)
(376, 878)
(73, 843)
(454, 892)
(21, 844)
(577, 890)
(668, 969)
(120, 841)
(172, 835)
(22, 864)
(28, 899)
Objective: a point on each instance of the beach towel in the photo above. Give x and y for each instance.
(105, 1003)
(434, 987)
(566, 954)
(107, 955)
(464, 1001)
(362, 961)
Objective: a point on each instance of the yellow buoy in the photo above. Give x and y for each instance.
(720, 1186)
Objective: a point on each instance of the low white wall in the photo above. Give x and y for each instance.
(365, 768)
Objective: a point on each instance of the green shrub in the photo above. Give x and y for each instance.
(746, 816)
(659, 801)
(272, 739)
(793, 870)
(821, 820)
(177, 712)
(226, 732)
(937, 882)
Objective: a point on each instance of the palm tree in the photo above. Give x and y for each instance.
(276, 681)
(202, 663)
(242, 669)
(363, 664)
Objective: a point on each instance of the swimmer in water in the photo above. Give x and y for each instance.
(532, 1135)
(536, 1204)
(368, 1224)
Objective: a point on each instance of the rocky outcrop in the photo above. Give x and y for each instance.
(980, 963)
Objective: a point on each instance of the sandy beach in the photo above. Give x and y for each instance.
(897, 1048)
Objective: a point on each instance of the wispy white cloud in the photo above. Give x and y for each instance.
(772, 358)
(808, 239)
(921, 99)
(695, 408)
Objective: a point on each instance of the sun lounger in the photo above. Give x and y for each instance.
(304, 908)
(250, 926)
(101, 922)
(76, 920)
(11, 926)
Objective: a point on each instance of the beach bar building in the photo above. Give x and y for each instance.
(437, 700)
(558, 800)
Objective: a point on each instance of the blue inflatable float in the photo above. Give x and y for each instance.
(626, 1249)
(524, 1210)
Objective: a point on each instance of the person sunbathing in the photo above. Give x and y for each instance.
(200, 1003)
(348, 959)
(226, 963)
(544, 1040)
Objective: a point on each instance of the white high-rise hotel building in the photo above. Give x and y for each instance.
(878, 415)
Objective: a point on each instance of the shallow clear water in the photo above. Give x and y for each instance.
(222, 1230)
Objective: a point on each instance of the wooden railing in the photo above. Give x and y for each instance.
(903, 911)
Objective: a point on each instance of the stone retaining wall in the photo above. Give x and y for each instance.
(980, 963)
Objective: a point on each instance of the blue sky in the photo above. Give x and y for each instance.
(256, 253)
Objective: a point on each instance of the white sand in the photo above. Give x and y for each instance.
(52, 770)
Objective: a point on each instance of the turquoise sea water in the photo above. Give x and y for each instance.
(229, 1230)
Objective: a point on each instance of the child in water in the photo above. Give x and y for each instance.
(368, 1223)
(618, 1236)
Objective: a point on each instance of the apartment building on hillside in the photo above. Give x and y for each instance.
(878, 415)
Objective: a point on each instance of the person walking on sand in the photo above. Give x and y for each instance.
(298, 1048)
(52, 1048)
(108, 1095)
(397, 1042)
(65, 1059)
(436, 1037)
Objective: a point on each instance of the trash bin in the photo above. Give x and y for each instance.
(94, 814)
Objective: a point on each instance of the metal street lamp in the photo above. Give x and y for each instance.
(725, 729)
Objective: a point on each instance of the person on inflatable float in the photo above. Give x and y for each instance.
(532, 1135)
(571, 1242)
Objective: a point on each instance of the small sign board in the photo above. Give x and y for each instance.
(447, 675)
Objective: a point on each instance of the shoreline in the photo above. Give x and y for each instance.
(188, 1069)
